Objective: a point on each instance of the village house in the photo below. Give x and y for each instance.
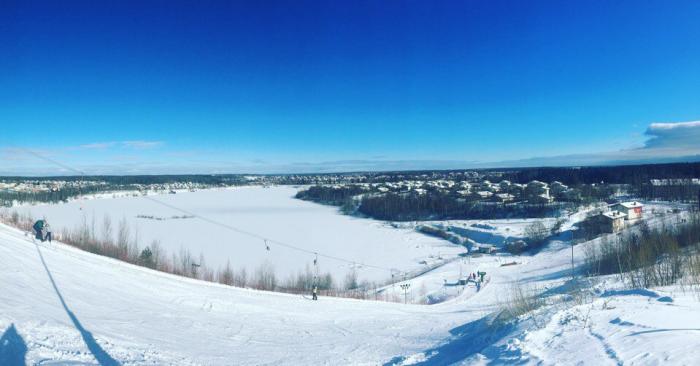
(504, 185)
(482, 194)
(503, 197)
(557, 188)
(632, 210)
(612, 221)
(485, 248)
(537, 192)
(615, 220)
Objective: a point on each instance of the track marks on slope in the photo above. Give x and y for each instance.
(606, 346)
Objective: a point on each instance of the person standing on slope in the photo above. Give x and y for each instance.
(42, 230)
(314, 293)
(47, 232)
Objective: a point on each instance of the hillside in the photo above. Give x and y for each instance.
(58, 304)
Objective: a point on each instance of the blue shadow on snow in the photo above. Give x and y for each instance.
(102, 357)
(467, 340)
(13, 350)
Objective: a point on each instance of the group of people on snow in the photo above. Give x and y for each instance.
(477, 278)
(42, 231)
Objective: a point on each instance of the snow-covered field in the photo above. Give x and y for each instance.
(59, 305)
(269, 212)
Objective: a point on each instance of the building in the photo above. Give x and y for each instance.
(632, 210)
(537, 192)
(503, 197)
(504, 185)
(541, 199)
(482, 194)
(557, 188)
(486, 248)
(611, 221)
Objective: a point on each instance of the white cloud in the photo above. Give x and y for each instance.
(666, 142)
(677, 135)
(98, 145)
(131, 144)
(141, 144)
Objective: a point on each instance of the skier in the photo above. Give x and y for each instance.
(42, 230)
(314, 293)
(47, 232)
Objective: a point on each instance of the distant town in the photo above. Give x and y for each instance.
(506, 191)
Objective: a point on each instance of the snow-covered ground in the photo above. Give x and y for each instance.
(498, 232)
(61, 305)
(270, 212)
(69, 305)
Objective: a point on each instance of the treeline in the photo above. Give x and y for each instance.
(650, 256)
(8, 197)
(680, 192)
(635, 175)
(85, 185)
(121, 242)
(433, 205)
(336, 196)
(125, 180)
(437, 206)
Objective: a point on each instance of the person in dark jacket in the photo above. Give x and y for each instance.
(42, 230)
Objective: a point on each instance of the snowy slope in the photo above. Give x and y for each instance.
(61, 305)
(115, 311)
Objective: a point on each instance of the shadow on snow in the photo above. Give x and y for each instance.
(468, 340)
(102, 357)
(13, 350)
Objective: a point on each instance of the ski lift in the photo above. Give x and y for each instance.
(316, 259)
(267, 246)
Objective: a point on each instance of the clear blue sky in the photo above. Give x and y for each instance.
(294, 85)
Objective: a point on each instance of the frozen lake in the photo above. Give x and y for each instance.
(270, 212)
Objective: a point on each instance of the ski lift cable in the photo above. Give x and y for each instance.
(263, 238)
(226, 226)
(47, 159)
(267, 240)
(58, 163)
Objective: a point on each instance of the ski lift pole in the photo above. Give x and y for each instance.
(405, 287)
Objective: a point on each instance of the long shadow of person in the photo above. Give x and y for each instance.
(13, 350)
(100, 355)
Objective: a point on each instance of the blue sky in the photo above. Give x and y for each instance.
(296, 86)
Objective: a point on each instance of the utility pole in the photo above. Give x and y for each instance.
(572, 258)
(404, 287)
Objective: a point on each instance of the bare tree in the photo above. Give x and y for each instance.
(123, 238)
(226, 274)
(536, 233)
(107, 230)
(240, 278)
(351, 279)
(265, 278)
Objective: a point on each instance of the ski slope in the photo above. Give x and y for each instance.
(73, 306)
(59, 305)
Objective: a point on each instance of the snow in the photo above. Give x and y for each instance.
(270, 212)
(137, 316)
(632, 327)
(62, 305)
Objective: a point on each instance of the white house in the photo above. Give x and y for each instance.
(633, 210)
